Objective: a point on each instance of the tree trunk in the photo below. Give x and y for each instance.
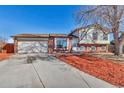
(121, 44)
(121, 48)
(116, 40)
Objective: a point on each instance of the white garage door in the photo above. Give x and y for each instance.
(32, 47)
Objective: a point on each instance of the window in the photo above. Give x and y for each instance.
(74, 42)
(101, 36)
(82, 48)
(105, 36)
(93, 48)
(61, 42)
(95, 35)
(83, 35)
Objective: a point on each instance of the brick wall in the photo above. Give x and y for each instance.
(69, 44)
(51, 45)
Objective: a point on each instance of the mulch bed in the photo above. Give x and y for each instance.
(4, 56)
(101, 68)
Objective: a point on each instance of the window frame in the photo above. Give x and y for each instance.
(105, 37)
(62, 40)
(83, 48)
(93, 47)
(95, 35)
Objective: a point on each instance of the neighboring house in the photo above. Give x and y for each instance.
(43, 43)
(6, 47)
(91, 39)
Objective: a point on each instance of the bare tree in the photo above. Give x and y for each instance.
(2, 43)
(108, 18)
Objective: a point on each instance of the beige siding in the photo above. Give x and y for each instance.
(88, 38)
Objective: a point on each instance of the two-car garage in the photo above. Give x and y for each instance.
(31, 43)
(32, 47)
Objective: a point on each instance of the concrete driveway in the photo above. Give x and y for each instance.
(45, 71)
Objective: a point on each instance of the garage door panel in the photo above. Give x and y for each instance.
(32, 47)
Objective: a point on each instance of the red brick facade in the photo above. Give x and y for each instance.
(69, 46)
(51, 45)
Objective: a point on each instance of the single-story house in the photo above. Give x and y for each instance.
(43, 43)
(6, 47)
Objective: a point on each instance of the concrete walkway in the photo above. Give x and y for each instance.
(45, 71)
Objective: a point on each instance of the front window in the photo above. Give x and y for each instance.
(61, 43)
(105, 37)
(74, 42)
(95, 35)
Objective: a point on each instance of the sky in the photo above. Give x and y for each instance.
(37, 19)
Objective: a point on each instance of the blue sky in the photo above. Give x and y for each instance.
(37, 19)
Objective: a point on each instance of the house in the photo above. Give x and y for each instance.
(88, 39)
(6, 47)
(43, 43)
(92, 39)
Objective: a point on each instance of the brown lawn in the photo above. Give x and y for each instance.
(4, 56)
(101, 68)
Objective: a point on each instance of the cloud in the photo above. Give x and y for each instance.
(10, 40)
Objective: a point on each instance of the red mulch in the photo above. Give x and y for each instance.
(98, 67)
(4, 56)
